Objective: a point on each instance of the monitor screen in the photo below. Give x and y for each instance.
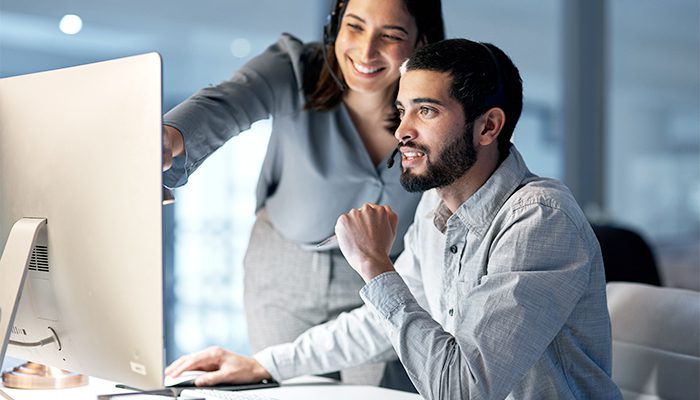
(81, 148)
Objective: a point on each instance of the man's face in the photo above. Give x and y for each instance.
(436, 144)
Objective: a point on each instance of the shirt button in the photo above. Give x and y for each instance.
(453, 249)
(451, 312)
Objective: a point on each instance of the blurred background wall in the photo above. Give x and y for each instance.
(612, 104)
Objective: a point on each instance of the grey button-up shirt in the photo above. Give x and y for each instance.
(505, 298)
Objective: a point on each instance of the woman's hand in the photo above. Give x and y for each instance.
(224, 367)
(173, 145)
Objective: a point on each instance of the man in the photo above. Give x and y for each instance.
(500, 291)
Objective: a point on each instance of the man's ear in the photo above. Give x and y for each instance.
(493, 121)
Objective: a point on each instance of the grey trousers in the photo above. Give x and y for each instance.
(288, 290)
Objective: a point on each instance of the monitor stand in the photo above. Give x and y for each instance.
(14, 261)
(31, 375)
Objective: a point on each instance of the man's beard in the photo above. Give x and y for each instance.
(456, 158)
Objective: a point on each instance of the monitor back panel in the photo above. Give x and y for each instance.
(81, 147)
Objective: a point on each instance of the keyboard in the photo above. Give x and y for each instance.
(211, 394)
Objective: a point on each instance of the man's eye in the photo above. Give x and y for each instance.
(427, 112)
(400, 111)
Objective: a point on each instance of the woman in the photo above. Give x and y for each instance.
(333, 120)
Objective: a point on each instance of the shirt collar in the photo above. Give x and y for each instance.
(481, 208)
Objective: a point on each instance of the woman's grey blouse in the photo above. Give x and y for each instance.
(316, 166)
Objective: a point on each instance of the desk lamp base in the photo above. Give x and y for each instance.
(39, 376)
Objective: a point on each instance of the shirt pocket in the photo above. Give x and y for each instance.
(469, 278)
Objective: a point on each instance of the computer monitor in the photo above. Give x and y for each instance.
(80, 148)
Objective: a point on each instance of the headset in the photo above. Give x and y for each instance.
(497, 98)
(332, 26)
(330, 33)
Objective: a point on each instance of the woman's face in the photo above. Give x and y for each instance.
(374, 38)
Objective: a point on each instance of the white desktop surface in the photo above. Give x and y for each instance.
(313, 387)
(94, 388)
(304, 388)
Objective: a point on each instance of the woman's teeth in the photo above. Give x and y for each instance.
(365, 70)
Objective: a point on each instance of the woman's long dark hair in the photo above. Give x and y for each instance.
(322, 91)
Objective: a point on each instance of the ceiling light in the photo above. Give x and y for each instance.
(70, 24)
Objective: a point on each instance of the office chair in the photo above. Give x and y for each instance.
(626, 255)
(656, 341)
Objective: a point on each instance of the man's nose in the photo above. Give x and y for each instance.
(405, 131)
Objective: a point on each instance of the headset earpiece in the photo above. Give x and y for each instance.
(330, 30)
(330, 33)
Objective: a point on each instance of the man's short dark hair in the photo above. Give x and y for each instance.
(483, 76)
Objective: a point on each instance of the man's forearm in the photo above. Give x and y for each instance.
(330, 347)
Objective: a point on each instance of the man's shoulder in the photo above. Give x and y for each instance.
(548, 193)
(536, 189)
(544, 206)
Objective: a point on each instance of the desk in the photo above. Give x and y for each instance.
(313, 387)
(95, 387)
(304, 388)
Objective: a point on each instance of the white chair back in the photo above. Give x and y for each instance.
(656, 341)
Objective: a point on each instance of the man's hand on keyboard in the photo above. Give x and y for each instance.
(223, 366)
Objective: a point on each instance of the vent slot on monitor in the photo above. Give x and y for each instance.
(19, 331)
(40, 259)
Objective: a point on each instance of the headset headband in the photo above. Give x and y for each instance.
(497, 98)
